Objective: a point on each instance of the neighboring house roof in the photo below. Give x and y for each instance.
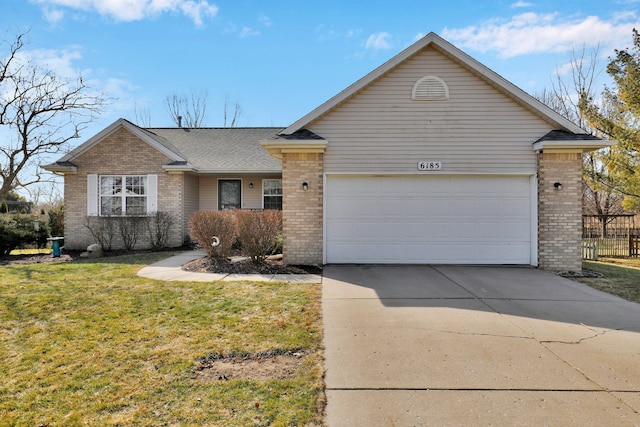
(446, 48)
(203, 150)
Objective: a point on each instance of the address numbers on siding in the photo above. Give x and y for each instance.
(430, 165)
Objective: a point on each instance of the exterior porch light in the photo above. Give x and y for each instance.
(305, 186)
(557, 186)
(251, 185)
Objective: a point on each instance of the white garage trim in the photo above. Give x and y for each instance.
(413, 219)
(534, 219)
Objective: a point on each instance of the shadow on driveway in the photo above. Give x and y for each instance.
(517, 291)
(464, 345)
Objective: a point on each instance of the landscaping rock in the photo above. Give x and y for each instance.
(93, 251)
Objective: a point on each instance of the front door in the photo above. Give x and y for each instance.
(229, 194)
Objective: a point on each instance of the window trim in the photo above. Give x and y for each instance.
(123, 196)
(93, 193)
(272, 195)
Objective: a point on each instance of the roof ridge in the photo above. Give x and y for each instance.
(214, 127)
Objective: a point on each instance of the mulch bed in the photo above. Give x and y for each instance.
(37, 259)
(580, 274)
(212, 265)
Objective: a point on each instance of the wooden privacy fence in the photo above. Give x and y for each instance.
(592, 248)
(610, 235)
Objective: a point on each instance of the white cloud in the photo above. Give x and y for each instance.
(418, 37)
(135, 10)
(57, 61)
(521, 4)
(326, 32)
(264, 20)
(64, 63)
(568, 67)
(53, 15)
(530, 33)
(198, 10)
(378, 41)
(248, 32)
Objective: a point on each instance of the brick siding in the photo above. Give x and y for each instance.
(302, 210)
(560, 211)
(123, 153)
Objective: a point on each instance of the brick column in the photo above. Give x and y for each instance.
(302, 210)
(560, 211)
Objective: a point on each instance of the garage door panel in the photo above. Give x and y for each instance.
(428, 219)
(513, 232)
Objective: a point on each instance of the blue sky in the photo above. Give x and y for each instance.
(280, 59)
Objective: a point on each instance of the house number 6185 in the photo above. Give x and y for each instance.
(430, 166)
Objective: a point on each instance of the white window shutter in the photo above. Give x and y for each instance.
(92, 195)
(152, 193)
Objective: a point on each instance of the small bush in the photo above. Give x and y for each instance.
(259, 232)
(130, 228)
(102, 229)
(158, 228)
(204, 225)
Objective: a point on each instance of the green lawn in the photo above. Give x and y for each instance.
(621, 277)
(90, 343)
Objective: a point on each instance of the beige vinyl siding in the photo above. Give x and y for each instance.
(251, 197)
(478, 130)
(191, 199)
(208, 193)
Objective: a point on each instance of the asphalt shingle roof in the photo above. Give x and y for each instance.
(561, 135)
(221, 149)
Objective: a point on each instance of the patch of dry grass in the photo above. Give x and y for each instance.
(90, 343)
(621, 277)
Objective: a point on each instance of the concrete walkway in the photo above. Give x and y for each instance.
(463, 346)
(170, 269)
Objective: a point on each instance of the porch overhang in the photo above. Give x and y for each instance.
(277, 148)
(571, 146)
(179, 167)
(565, 142)
(61, 168)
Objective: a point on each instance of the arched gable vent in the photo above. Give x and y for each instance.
(430, 88)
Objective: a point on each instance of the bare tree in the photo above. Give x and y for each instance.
(40, 113)
(46, 195)
(231, 112)
(188, 111)
(142, 116)
(598, 197)
(565, 94)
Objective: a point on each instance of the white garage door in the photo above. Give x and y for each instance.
(428, 219)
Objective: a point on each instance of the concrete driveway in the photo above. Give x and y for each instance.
(462, 346)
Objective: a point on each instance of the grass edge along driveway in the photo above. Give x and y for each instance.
(621, 277)
(90, 343)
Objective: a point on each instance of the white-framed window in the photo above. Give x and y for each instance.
(272, 194)
(122, 195)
